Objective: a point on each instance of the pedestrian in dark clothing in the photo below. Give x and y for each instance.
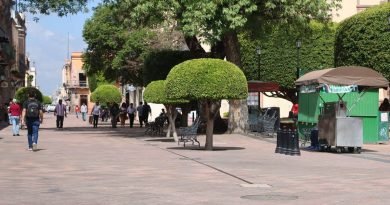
(60, 112)
(385, 106)
(140, 112)
(114, 110)
(146, 110)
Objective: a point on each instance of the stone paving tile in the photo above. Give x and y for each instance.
(83, 165)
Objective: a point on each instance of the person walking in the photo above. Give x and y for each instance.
(77, 110)
(96, 113)
(146, 110)
(139, 112)
(9, 114)
(131, 112)
(123, 114)
(114, 111)
(84, 111)
(60, 112)
(15, 112)
(33, 116)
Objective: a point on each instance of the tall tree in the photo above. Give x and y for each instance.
(116, 50)
(218, 22)
(61, 7)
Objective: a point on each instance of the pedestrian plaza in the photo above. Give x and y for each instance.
(82, 165)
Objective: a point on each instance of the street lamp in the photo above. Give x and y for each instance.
(258, 52)
(388, 21)
(298, 45)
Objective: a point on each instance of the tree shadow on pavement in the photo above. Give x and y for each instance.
(107, 131)
(161, 140)
(215, 148)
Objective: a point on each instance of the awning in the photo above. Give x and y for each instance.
(260, 86)
(346, 75)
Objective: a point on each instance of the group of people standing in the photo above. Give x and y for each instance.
(122, 113)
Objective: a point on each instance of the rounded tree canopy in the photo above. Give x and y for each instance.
(106, 94)
(46, 100)
(155, 93)
(21, 94)
(206, 78)
(363, 40)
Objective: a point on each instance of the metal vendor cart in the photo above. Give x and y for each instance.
(336, 127)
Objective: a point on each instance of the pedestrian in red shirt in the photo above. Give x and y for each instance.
(294, 111)
(77, 111)
(15, 114)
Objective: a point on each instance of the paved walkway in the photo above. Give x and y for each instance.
(82, 165)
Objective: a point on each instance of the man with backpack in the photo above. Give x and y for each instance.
(33, 116)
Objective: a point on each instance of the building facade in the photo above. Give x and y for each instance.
(13, 60)
(75, 89)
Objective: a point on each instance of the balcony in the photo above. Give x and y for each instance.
(76, 84)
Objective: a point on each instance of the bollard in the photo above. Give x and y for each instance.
(278, 148)
(295, 144)
(284, 140)
(289, 143)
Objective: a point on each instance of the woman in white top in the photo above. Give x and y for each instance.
(96, 113)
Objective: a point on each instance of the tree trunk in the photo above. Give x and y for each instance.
(211, 108)
(209, 133)
(238, 109)
(171, 113)
(218, 50)
(238, 116)
(232, 48)
(194, 45)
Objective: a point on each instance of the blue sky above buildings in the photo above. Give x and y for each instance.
(47, 45)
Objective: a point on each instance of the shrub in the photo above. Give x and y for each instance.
(106, 94)
(21, 94)
(363, 40)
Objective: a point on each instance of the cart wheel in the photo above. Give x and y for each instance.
(351, 149)
(328, 148)
(338, 149)
(358, 150)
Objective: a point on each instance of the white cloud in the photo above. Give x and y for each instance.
(48, 33)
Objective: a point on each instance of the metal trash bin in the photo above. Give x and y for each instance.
(287, 142)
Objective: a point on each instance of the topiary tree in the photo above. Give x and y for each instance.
(155, 92)
(106, 94)
(46, 100)
(208, 81)
(363, 40)
(21, 94)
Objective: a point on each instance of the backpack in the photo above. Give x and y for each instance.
(32, 109)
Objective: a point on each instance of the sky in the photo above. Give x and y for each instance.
(47, 45)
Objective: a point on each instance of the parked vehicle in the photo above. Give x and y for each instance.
(51, 108)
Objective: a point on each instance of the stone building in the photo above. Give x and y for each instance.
(13, 60)
(75, 89)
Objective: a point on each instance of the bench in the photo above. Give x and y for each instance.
(187, 134)
(156, 127)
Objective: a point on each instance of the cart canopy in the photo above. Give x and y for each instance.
(346, 75)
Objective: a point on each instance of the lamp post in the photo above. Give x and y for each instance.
(298, 45)
(388, 22)
(258, 52)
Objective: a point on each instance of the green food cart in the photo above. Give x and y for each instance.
(357, 87)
